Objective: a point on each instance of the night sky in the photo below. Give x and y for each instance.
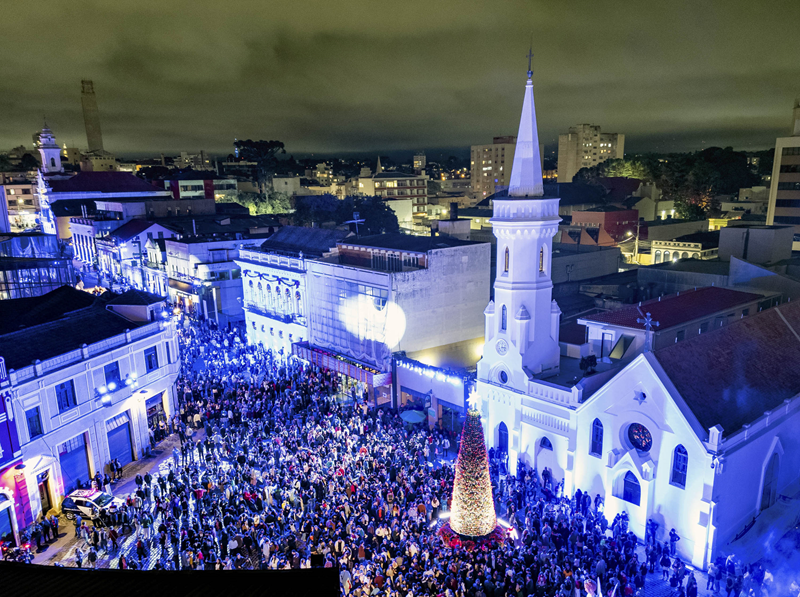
(371, 75)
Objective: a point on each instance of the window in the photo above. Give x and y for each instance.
(597, 438)
(541, 260)
(34, 422)
(65, 396)
(680, 462)
(631, 491)
(640, 437)
(151, 359)
(745, 312)
(545, 444)
(169, 356)
(680, 336)
(112, 374)
(666, 256)
(504, 319)
(505, 269)
(704, 327)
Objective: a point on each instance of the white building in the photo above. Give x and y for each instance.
(698, 436)
(123, 252)
(274, 284)
(392, 292)
(585, 146)
(85, 386)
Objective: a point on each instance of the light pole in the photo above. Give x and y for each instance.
(635, 242)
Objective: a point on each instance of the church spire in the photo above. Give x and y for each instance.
(526, 172)
(378, 167)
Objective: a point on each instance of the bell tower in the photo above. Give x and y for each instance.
(45, 142)
(522, 323)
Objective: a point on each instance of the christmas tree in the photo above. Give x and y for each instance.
(472, 512)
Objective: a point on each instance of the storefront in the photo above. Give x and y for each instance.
(355, 379)
(440, 393)
(156, 414)
(74, 460)
(119, 438)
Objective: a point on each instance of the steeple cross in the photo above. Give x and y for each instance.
(530, 63)
(648, 326)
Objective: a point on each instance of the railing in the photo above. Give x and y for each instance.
(286, 318)
(552, 393)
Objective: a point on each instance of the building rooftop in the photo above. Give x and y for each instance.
(697, 266)
(708, 240)
(196, 175)
(407, 242)
(103, 182)
(731, 376)
(54, 330)
(312, 242)
(129, 230)
(136, 297)
(568, 193)
(73, 208)
(605, 209)
(677, 309)
(27, 312)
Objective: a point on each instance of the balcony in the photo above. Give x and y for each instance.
(272, 314)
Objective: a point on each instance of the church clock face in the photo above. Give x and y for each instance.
(501, 347)
(640, 437)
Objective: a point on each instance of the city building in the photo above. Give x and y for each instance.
(756, 243)
(615, 221)
(88, 377)
(201, 185)
(420, 161)
(20, 204)
(32, 264)
(490, 165)
(274, 284)
(698, 245)
(784, 190)
(387, 293)
(123, 252)
(671, 435)
(397, 186)
(14, 516)
(204, 278)
(194, 161)
(585, 146)
(286, 184)
(620, 335)
(91, 117)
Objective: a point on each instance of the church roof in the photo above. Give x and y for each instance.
(526, 171)
(731, 376)
(677, 309)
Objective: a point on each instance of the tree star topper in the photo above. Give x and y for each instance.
(474, 400)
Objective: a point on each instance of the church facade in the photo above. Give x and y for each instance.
(696, 436)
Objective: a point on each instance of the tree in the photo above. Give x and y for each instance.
(588, 364)
(5, 164)
(273, 202)
(472, 513)
(28, 162)
(263, 154)
(377, 215)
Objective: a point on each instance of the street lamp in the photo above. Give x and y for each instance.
(636, 242)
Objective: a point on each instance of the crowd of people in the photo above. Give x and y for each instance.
(276, 471)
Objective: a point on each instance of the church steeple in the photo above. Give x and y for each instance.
(526, 172)
(378, 167)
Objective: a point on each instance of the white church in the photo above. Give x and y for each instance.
(699, 436)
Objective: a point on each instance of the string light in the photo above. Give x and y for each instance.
(431, 372)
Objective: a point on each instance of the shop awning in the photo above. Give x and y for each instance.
(341, 365)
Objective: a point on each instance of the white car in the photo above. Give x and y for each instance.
(88, 503)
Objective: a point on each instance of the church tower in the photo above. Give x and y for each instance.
(522, 323)
(49, 152)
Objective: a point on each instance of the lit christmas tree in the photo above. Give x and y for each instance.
(472, 513)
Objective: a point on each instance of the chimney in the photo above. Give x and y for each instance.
(453, 210)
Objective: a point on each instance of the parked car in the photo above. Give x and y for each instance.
(88, 503)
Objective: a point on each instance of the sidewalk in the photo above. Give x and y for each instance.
(63, 549)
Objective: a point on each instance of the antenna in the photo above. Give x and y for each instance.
(530, 59)
(355, 221)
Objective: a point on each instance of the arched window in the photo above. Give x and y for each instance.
(541, 260)
(53, 162)
(505, 268)
(684, 255)
(260, 298)
(278, 306)
(299, 303)
(288, 301)
(666, 256)
(545, 444)
(504, 319)
(597, 438)
(631, 491)
(250, 296)
(680, 462)
(658, 256)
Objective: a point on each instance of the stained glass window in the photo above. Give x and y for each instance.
(640, 437)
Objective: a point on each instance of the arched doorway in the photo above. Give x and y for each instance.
(502, 438)
(769, 491)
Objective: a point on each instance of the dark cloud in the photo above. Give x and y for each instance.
(369, 75)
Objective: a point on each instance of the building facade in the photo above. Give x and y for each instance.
(585, 146)
(490, 165)
(21, 204)
(88, 402)
(784, 191)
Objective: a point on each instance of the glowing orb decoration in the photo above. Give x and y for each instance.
(370, 318)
